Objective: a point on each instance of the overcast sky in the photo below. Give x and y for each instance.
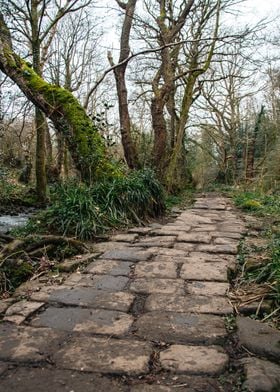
(251, 11)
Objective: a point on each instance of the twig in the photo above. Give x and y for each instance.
(271, 314)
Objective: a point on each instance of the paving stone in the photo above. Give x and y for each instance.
(172, 327)
(204, 271)
(149, 286)
(124, 237)
(197, 257)
(166, 232)
(171, 259)
(185, 246)
(49, 379)
(230, 249)
(100, 321)
(43, 293)
(5, 303)
(23, 308)
(231, 228)
(15, 319)
(154, 269)
(28, 287)
(108, 246)
(98, 282)
(194, 359)
(225, 241)
(193, 219)
(177, 229)
(191, 304)
(26, 344)
(168, 252)
(205, 228)
(70, 265)
(261, 376)
(207, 288)
(194, 237)
(226, 234)
(157, 241)
(85, 297)
(140, 230)
(155, 225)
(128, 254)
(100, 355)
(109, 267)
(259, 338)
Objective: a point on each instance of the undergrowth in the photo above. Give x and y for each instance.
(267, 208)
(82, 211)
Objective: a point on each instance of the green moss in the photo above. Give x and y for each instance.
(77, 127)
(252, 205)
(14, 274)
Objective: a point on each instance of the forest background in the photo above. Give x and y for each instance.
(110, 109)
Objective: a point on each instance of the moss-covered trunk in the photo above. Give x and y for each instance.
(40, 120)
(68, 116)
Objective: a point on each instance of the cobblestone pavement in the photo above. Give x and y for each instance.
(147, 315)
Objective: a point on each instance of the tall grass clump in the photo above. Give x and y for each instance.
(84, 211)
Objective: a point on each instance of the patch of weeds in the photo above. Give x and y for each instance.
(230, 323)
(84, 211)
(267, 271)
(13, 274)
(183, 199)
(233, 381)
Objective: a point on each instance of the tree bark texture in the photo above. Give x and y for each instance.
(129, 147)
(68, 116)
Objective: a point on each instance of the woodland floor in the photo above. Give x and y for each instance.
(151, 313)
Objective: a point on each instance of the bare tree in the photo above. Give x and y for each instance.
(59, 105)
(119, 73)
(36, 21)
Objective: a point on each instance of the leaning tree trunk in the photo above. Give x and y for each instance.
(40, 121)
(59, 105)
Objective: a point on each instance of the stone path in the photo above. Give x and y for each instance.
(147, 315)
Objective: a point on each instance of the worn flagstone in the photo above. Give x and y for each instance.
(207, 288)
(204, 271)
(171, 327)
(191, 303)
(156, 285)
(26, 344)
(109, 267)
(148, 306)
(102, 355)
(85, 297)
(99, 321)
(155, 269)
(98, 282)
(194, 359)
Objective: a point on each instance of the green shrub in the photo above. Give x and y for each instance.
(83, 211)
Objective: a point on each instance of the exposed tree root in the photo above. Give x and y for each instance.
(38, 245)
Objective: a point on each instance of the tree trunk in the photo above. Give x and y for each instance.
(160, 134)
(68, 116)
(41, 178)
(250, 170)
(40, 166)
(129, 147)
